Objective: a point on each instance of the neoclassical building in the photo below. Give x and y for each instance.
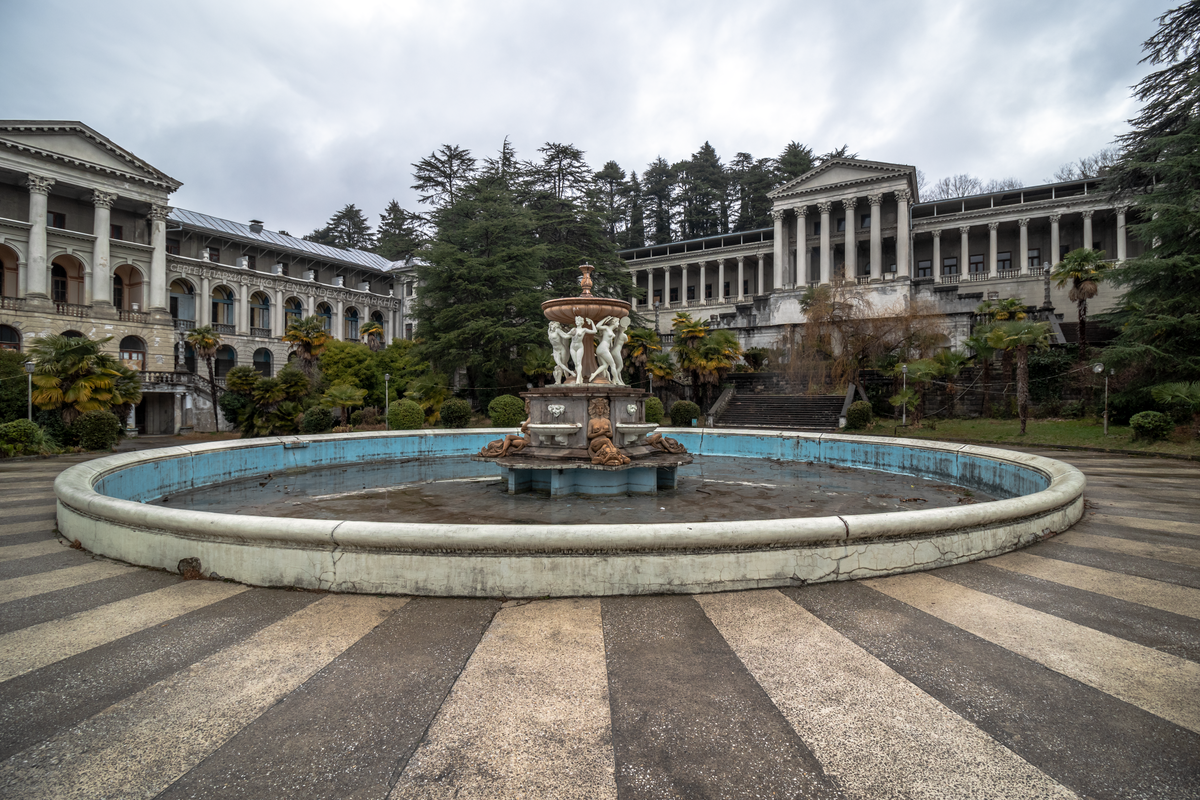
(861, 222)
(89, 244)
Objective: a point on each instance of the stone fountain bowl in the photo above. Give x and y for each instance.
(565, 309)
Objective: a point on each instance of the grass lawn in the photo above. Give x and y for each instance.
(1039, 432)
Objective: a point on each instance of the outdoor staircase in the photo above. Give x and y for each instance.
(795, 411)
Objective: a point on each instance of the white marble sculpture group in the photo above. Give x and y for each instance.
(609, 338)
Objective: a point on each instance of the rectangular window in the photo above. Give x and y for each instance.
(976, 264)
(817, 228)
(708, 291)
(865, 221)
(674, 294)
(746, 286)
(214, 255)
(890, 268)
(725, 293)
(285, 268)
(691, 293)
(116, 232)
(841, 224)
(408, 290)
(56, 219)
(950, 265)
(1035, 257)
(1063, 249)
(658, 297)
(252, 262)
(1004, 260)
(172, 247)
(408, 330)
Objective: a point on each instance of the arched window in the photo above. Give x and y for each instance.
(351, 329)
(260, 314)
(66, 280)
(262, 361)
(183, 305)
(118, 291)
(326, 314)
(58, 283)
(73, 335)
(133, 353)
(8, 271)
(224, 360)
(293, 311)
(222, 310)
(10, 338)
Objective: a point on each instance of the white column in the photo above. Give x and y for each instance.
(683, 268)
(37, 270)
(903, 235)
(1024, 246)
(633, 279)
(242, 318)
(278, 328)
(312, 305)
(204, 304)
(825, 208)
(700, 291)
(801, 277)
(1087, 228)
(937, 255)
(338, 328)
(851, 242)
(993, 266)
(666, 287)
(964, 251)
(778, 251)
(101, 271)
(758, 287)
(178, 411)
(876, 201)
(720, 280)
(741, 295)
(1121, 244)
(158, 257)
(1054, 218)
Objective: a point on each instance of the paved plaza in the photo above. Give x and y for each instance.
(1070, 669)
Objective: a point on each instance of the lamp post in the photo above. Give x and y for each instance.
(29, 379)
(387, 401)
(1098, 368)
(1046, 276)
(904, 390)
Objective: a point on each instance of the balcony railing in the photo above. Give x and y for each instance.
(1005, 274)
(949, 278)
(221, 327)
(185, 324)
(263, 332)
(132, 316)
(977, 276)
(12, 303)
(72, 310)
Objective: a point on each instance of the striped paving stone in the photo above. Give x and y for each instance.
(1065, 670)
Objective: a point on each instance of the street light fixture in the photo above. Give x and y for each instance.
(904, 388)
(1098, 368)
(387, 401)
(29, 366)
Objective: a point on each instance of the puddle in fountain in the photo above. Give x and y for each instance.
(461, 491)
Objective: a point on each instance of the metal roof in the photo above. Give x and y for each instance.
(274, 239)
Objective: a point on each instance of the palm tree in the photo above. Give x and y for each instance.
(949, 363)
(662, 369)
(641, 345)
(307, 337)
(1018, 336)
(205, 342)
(127, 391)
(373, 331)
(538, 364)
(342, 396)
(429, 391)
(71, 374)
(715, 356)
(1008, 309)
(1083, 268)
(978, 342)
(920, 373)
(688, 335)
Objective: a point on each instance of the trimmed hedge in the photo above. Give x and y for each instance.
(317, 420)
(1151, 425)
(858, 416)
(506, 411)
(97, 430)
(405, 415)
(683, 412)
(22, 438)
(456, 413)
(654, 410)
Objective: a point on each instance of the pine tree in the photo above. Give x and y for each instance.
(400, 233)
(442, 174)
(635, 229)
(1158, 315)
(612, 198)
(659, 189)
(702, 192)
(795, 160)
(348, 228)
(750, 180)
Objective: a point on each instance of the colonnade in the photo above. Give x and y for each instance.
(750, 276)
(825, 238)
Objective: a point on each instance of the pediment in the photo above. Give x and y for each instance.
(76, 145)
(845, 172)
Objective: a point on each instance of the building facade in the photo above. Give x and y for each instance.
(861, 223)
(90, 245)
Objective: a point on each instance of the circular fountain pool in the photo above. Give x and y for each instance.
(756, 509)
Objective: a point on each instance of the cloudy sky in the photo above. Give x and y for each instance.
(285, 111)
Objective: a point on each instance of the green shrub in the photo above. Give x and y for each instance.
(356, 418)
(654, 410)
(316, 420)
(456, 413)
(368, 416)
(1180, 411)
(56, 430)
(242, 379)
(232, 406)
(405, 415)
(683, 412)
(506, 411)
(22, 438)
(1151, 425)
(858, 416)
(1073, 410)
(97, 430)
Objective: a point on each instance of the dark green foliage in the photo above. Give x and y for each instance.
(356, 365)
(261, 406)
(400, 233)
(858, 416)
(795, 160)
(405, 415)
(317, 420)
(233, 405)
(56, 430)
(356, 418)
(683, 412)
(506, 411)
(21, 438)
(96, 430)
(14, 386)
(1151, 425)
(242, 379)
(347, 228)
(1180, 411)
(755, 357)
(702, 185)
(654, 410)
(1072, 410)
(456, 413)
(441, 175)
(1050, 371)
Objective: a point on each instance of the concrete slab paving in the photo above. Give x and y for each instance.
(1068, 669)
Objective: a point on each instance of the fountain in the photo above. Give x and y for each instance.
(587, 434)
